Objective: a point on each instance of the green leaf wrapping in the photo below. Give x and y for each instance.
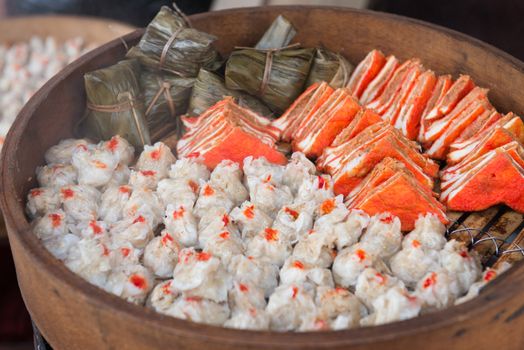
(330, 67)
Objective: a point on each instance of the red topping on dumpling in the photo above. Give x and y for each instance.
(125, 252)
(56, 220)
(298, 264)
(249, 212)
(138, 281)
(271, 234)
(225, 220)
(295, 292)
(67, 193)
(95, 227)
(98, 164)
(430, 281)
(155, 154)
(291, 212)
(327, 206)
(415, 243)
(490, 274)
(166, 288)
(166, 238)
(208, 191)
(148, 172)
(361, 254)
(140, 218)
(35, 192)
(243, 287)
(224, 235)
(124, 189)
(203, 256)
(177, 214)
(193, 185)
(112, 144)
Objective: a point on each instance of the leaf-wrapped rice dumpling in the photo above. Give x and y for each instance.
(166, 96)
(331, 68)
(170, 45)
(210, 88)
(114, 105)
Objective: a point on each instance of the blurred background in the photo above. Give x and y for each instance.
(496, 22)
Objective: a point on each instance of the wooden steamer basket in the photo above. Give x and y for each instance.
(73, 314)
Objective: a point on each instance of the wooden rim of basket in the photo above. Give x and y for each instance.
(495, 293)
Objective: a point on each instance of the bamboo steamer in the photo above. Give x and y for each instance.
(94, 31)
(72, 314)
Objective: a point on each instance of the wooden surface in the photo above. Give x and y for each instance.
(73, 314)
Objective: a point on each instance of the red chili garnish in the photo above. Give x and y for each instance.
(208, 190)
(295, 292)
(490, 274)
(464, 254)
(140, 218)
(327, 206)
(166, 238)
(98, 164)
(243, 288)
(177, 214)
(387, 220)
(125, 251)
(35, 192)
(291, 212)
(95, 227)
(415, 243)
(67, 193)
(224, 235)
(321, 182)
(249, 212)
(381, 278)
(166, 288)
(193, 155)
(271, 234)
(361, 254)
(112, 144)
(203, 256)
(124, 189)
(56, 220)
(138, 281)
(148, 172)
(155, 154)
(298, 264)
(105, 251)
(225, 220)
(193, 185)
(430, 281)
(193, 299)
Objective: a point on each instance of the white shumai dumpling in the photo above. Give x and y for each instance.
(60, 246)
(289, 305)
(298, 169)
(316, 249)
(411, 263)
(259, 169)
(269, 244)
(315, 190)
(130, 282)
(349, 264)
(144, 179)
(80, 202)
(251, 319)
(339, 307)
(90, 258)
(214, 222)
(157, 158)
(224, 245)
(331, 211)
(161, 255)
(200, 310)
(144, 202)
(92, 229)
(189, 169)
(245, 296)
(120, 176)
(63, 151)
(371, 283)
(121, 149)
(298, 272)
(56, 175)
(250, 219)
(41, 200)
(348, 232)
(180, 221)
(112, 203)
(438, 289)
(200, 274)
(51, 225)
(94, 167)
(254, 271)
(489, 275)
(294, 221)
(227, 176)
(178, 191)
(383, 237)
(429, 232)
(268, 197)
(137, 231)
(395, 305)
(124, 253)
(465, 265)
(162, 297)
(211, 197)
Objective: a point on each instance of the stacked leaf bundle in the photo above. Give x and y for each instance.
(228, 131)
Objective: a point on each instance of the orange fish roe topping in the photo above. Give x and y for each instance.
(124, 189)
(291, 212)
(194, 299)
(327, 206)
(166, 238)
(225, 220)
(138, 281)
(250, 257)
(430, 281)
(321, 182)
(56, 220)
(35, 192)
(361, 254)
(95, 227)
(310, 232)
(208, 190)
(295, 292)
(490, 274)
(98, 164)
(224, 235)
(249, 212)
(271, 234)
(125, 252)
(203, 256)
(380, 278)
(334, 253)
(67, 193)
(243, 288)
(387, 220)
(193, 185)
(177, 214)
(140, 218)
(112, 144)
(155, 154)
(148, 172)
(193, 155)
(340, 290)
(166, 288)
(298, 264)
(105, 250)
(415, 243)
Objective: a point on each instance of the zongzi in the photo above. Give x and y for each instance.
(114, 105)
(330, 67)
